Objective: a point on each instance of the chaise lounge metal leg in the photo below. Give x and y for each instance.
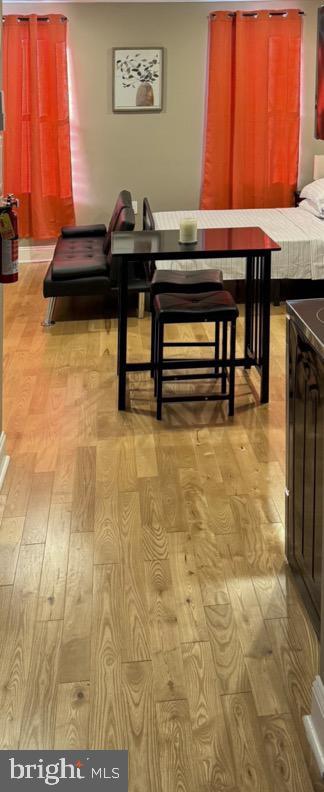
(49, 321)
(141, 305)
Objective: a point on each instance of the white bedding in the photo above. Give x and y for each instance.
(300, 235)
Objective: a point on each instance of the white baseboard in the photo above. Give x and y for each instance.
(314, 724)
(35, 254)
(4, 459)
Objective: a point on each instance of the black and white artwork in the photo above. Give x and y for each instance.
(137, 79)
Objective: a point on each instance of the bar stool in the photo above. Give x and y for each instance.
(218, 307)
(183, 282)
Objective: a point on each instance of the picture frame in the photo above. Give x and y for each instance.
(137, 79)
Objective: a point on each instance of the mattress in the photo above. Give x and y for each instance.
(300, 235)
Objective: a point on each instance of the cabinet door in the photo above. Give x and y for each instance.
(305, 461)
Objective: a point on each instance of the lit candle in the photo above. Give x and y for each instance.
(188, 231)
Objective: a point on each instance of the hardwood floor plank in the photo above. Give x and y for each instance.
(196, 506)
(296, 675)
(38, 719)
(35, 526)
(17, 649)
(47, 452)
(270, 596)
(106, 531)
(64, 476)
(230, 668)
(20, 485)
(222, 520)
(207, 718)
(241, 590)
(184, 449)
(135, 634)
(164, 630)
(19, 407)
(72, 716)
(306, 637)
(107, 467)
(239, 440)
(83, 503)
(207, 771)
(164, 633)
(5, 600)
(145, 456)
(11, 530)
(211, 553)
(207, 460)
(286, 762)
(262, 668)
(54, 572)
(251, 769)
(171, 492)
(127, 471)
(106, 705)
(266, 685)
(190, 610)
(141, 727)
(75, 652)
(155, 544)
(178, 770)
(233, 482)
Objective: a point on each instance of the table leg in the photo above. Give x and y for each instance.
(265, 328)
(122, 332)
(248, 307)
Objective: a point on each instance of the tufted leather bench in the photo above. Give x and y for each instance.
(80, 257)
(82, 262)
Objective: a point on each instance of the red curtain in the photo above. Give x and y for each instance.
(37, 155)
(253, 110)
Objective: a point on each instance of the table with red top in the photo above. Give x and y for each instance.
(217, 243)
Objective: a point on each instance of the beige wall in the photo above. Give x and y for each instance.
(158, 155)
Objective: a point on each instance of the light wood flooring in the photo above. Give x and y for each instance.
(145, 601)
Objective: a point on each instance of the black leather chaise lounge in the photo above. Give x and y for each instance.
(82, 262)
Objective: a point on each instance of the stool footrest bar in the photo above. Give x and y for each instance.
(194, 398)
(179, 377)
(183, 363)
(189, 343)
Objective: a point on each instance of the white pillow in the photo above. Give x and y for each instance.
(314, 192)
(310, 206)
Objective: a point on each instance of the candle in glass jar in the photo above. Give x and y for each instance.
(188, 231)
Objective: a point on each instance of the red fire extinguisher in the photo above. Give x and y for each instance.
(8, 240)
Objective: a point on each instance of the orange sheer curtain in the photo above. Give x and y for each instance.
(217, 188)
(253, 110)
(37, 155)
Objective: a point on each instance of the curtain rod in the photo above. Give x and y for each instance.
(255, 13)
(39, 18)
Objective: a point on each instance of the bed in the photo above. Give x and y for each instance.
(299, 233)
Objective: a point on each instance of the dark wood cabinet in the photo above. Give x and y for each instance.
(305, 463)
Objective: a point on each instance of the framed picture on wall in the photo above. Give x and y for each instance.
(137, 79)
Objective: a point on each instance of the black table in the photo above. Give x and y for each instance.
(250, 243)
